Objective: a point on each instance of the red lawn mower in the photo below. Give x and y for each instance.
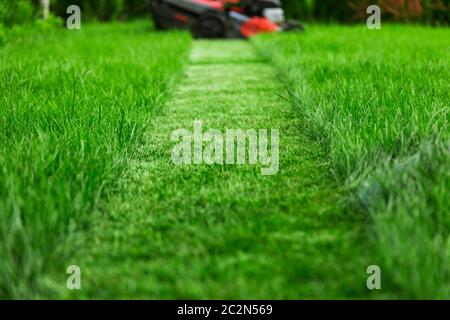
(221, 18)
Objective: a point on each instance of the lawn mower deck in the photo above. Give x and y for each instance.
(221, 18)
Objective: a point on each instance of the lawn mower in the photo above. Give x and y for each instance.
(221, 18)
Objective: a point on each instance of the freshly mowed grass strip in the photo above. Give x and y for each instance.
(72, 104)
(224, 231)
(379, 102)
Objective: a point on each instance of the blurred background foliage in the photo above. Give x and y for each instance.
(105, 10)
(427, 11)
(347, 11)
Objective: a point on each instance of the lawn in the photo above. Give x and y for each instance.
(215, 231)
(378, 102)
(87, 177)
(72, 105)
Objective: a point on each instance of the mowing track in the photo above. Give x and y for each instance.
(223, 231)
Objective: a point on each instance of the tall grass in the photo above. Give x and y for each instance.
(379, 102)
(72, 104)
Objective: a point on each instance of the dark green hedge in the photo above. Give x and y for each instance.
(104, 9)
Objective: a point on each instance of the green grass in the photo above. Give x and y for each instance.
(72, 105)
(200, 231)
(86, 176)
(378, 102)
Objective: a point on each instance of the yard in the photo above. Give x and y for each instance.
(87, 177)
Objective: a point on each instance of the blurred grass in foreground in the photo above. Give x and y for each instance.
(72, 103)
